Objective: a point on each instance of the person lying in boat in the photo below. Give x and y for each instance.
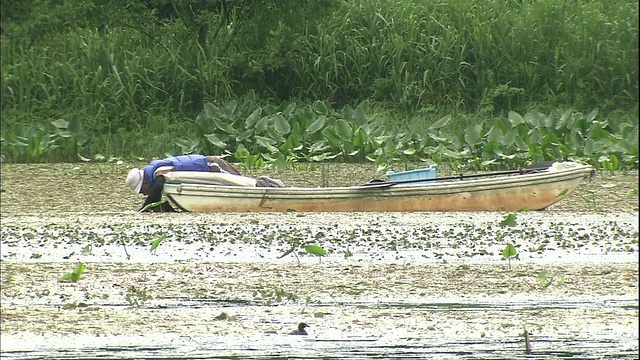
(148, 180)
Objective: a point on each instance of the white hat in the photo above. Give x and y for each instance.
(134, 180)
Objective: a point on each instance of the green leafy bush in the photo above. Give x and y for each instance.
(57, 140)
(313, 133)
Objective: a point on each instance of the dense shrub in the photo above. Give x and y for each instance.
(150, 67)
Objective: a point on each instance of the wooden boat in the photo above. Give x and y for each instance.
(503, 191)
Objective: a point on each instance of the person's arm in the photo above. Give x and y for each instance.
(155, 193)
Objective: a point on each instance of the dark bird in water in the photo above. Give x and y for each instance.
(301, 330)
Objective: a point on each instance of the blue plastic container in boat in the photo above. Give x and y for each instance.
(428, 173)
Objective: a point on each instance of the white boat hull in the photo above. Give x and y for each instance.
(533, 191)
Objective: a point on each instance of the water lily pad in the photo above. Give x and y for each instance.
(315, 250)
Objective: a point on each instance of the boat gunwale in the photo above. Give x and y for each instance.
(448, 186)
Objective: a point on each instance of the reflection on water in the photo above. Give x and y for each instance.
(458, 341)
(406, 348)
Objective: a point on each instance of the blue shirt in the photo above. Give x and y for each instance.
(179, 163)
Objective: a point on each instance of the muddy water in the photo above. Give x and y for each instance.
(391, 286)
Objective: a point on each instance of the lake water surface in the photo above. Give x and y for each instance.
(391, 286)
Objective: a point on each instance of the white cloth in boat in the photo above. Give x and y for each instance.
(564, 165)
(213, 167)
(209, 178)
(162, 170)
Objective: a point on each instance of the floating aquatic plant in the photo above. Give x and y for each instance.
(136, 296)
(156, 243)
(309, 248)
(152, 205)
(509, 253)
(509, 220)
(590, 201)
(547, 281)
(73, 276)
(315, 250)
(274, 296)
(87, 250)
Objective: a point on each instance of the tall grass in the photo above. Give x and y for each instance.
(118, 80)
(456, 52)
(418, 60)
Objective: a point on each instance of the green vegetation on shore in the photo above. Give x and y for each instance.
(146, 79)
